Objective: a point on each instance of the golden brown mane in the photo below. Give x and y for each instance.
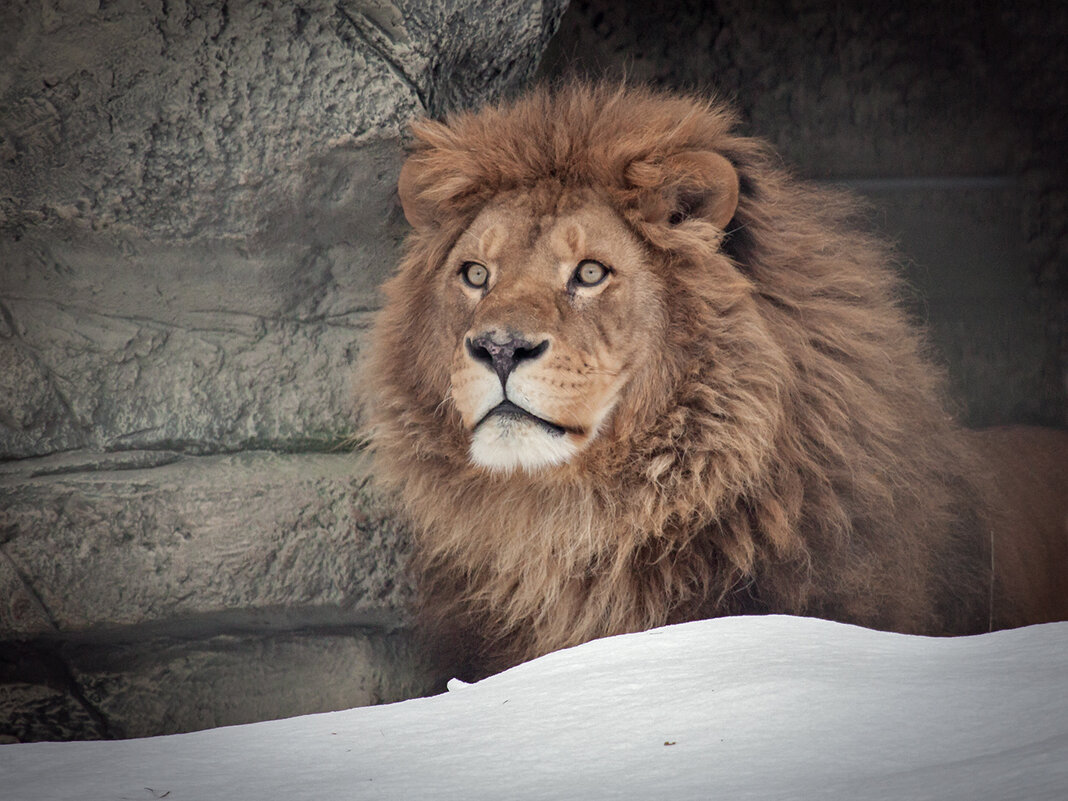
(790, 452)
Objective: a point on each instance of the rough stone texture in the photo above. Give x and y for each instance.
(151, 592)
(207, 118)
(949, 117)
(40, 700)
(219, 358)
(197, 204)
(287, 538)
(168, 685)
(21, 611)
(146, 689)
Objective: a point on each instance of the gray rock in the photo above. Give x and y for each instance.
(197, 205)
(162, 688)
(199, 202)
(86, 690)
(21, 611)
(840, 89)
(32, 712)
(40, 701)
(105, 541)
(203, 118)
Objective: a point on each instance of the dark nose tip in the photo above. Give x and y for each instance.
(503, 357)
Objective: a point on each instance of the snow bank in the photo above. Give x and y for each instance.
(738, 708)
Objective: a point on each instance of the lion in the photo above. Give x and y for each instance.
(630, 372)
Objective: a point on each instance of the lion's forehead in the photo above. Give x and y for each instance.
(521, 230)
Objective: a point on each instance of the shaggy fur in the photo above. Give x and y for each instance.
(785, 449)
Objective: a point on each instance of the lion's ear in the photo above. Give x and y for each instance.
(432, 190)
(706, 186)
(410, 187)
(695, 184)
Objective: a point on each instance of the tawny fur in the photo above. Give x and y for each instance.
(788, 449)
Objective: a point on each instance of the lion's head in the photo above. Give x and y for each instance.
(630, 372)
(556, 315)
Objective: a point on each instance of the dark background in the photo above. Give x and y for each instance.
(949, 117)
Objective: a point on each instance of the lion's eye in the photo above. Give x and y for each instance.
(590, 273)
(475, 275)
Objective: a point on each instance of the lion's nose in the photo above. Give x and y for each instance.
(503, 357)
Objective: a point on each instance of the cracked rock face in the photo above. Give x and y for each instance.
(197, 205)
(173, 538)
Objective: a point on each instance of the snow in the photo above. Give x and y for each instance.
(739, 708)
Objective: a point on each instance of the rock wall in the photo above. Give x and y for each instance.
(197, 204)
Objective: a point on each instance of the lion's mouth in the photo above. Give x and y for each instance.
(507, 409)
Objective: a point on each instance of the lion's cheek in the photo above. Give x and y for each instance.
(578, 404)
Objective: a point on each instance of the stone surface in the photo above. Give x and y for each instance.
(40, 701)
(145, 689)
(197, 203)
(21, 611)
(253, 538)
(167, 685)
(206, 118)
(35, 712)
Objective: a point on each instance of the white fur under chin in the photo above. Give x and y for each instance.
(506, 444)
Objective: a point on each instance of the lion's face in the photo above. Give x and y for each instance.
(540, 321)
(549, 315)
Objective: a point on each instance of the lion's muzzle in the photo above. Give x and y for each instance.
(503, 356)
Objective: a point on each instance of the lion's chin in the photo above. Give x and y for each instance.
(505, 443)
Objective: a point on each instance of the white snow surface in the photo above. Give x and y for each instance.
(734, 708)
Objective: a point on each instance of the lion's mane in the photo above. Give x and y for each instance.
(794, 455)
